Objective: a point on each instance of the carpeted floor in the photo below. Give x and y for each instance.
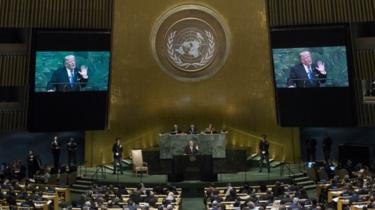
(192, 204)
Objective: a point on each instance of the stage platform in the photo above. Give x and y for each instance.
(252, 175)
(192, 188)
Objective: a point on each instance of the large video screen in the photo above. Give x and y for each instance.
(66, 71)
(309, 67)
(312, 68)
(69, 80)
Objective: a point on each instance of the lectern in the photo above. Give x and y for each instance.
(192, 167)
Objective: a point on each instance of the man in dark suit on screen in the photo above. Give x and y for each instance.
(69, 78)
(191, 148)
(306, 73)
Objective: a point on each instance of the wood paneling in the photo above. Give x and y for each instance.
(364, 66)
(56, 13)
(13, 70)
(301, 12)
(13, 73)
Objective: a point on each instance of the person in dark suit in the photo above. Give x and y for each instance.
(327, 144)
(306, 73)
(175, 129)
(69, 78)
(56, 148)
(32, 164)
(264, 154)
(191, 148)
(117, 156)
(72, 152)
(311, 149)
(192, 129)
(278, 189)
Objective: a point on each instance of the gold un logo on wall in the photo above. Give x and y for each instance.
(190, 42)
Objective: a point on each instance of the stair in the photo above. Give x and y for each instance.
(275, 163)
(304, 183)
(296, 175)
(81, 185)
(109, 167)
(256, 157)
(127, 162)
(303, 180)
(252, 156)
(309, 187)
(125, 165)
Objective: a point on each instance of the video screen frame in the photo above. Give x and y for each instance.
(301, 107)
(72, 110)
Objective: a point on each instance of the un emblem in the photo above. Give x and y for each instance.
(190, 42)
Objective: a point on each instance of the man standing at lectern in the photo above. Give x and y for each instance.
(117, 156)
(307, 74)
(263, 152)
(191, 148)
(69, 78)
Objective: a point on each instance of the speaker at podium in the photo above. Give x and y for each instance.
(192, 167)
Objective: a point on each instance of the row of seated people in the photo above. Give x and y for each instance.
(22, 193)
(327, 170)
(102, 197)
(353, 189)
(262, 196)
(16, 169)
(194, 130)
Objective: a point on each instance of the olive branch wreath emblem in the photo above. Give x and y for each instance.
(205, 59)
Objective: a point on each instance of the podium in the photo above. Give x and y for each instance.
(192, 167)
(209, 144)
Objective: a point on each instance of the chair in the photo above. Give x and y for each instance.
(138, 164)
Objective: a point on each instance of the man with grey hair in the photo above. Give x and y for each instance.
(306, 73)
(69, 78)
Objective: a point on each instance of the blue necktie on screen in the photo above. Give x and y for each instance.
(71, 78)
(310, 74)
